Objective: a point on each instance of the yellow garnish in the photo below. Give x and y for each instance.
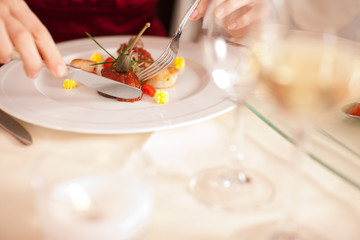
(97, 57)
(69, 83)
(179, 62)
(161, 97)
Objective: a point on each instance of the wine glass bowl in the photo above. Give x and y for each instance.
(308, 74)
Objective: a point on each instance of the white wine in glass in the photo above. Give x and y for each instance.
(308, 75)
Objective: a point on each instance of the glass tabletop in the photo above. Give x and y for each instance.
(335, 144)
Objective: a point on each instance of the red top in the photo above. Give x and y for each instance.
(70, 19)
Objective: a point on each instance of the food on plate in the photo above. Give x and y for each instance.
(140, 57)
(85, 64)
(97, 57)
(179, 62)
(128, 77)
(355, 110)
(148, 89)
(69, 83)
(124, 68)
(108, 62)
(165, 79)
(132, 58)
(161, 97)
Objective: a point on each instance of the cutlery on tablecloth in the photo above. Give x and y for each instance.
(14, 128)
(99, 83)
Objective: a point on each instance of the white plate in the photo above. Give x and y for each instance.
(43, 101)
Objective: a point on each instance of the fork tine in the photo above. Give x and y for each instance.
(158, 64)
(152, 74)
(159, 61)
(162, 62)
(160, 58)
(159, 68)
(146, 70)
(167, 60)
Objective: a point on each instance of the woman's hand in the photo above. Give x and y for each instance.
(237, 15)
(21, 30)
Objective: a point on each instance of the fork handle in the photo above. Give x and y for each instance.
(186, 17)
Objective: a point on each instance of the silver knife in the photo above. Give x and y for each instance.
(102, 84)
(14, 128)
(99, 83)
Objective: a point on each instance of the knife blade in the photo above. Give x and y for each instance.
(97, 82)
(102, 84)
(14, 128)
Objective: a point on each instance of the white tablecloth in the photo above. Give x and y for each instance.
(326, 204)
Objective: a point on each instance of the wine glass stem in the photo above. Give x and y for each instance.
(237, 140)
(289, 223)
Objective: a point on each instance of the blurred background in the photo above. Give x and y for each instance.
(171, 12)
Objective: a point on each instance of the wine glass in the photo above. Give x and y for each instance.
(308, 75)
(231, 187)
(91, 191)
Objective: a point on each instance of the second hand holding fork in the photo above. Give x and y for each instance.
(170, 53)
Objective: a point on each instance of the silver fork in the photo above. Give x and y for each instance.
(170, 53)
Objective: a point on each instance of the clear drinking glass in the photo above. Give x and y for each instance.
(233, 186)
(308, 75)
(90, 193)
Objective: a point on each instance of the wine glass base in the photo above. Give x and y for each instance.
(229, 189)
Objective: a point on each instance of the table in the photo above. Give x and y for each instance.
(327, 204)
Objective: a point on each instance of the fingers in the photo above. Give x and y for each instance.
(238, 23)
(226, 7)
(22, 40)
(43, 40)
(253, 13)
(200, 10)
(237, 16)
(222, 7)
(22, 30)
(6, 46)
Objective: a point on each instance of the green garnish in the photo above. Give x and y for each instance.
(123, 61)
(91, 37)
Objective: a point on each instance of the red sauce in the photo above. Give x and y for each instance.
(129, 78)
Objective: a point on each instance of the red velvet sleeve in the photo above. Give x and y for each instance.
(70, 19)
